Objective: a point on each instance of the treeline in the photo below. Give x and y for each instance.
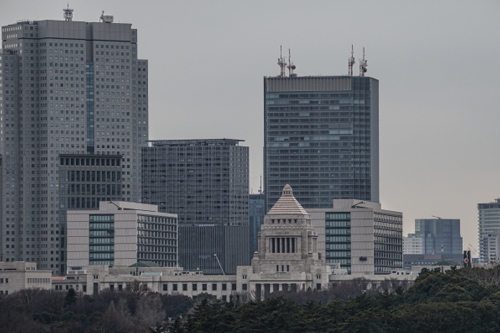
(465, 300)
(136, 310)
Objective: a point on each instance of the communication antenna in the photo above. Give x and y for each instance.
(351, 62)
(260, 188)
(363, 64)
(68, 14)
(290, 66)
(281, 63)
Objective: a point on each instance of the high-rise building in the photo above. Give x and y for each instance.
(67, 89)
(360, 235)
(321, 136)
(439, 236)
(256, 214)
(205, 182)
(412, 245)
(489, 223)
(492, 247)
(122, 234)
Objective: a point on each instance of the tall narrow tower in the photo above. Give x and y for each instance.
(363, 63)
(282, 63)
(351, 62)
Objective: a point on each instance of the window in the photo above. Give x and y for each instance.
(224, 286)
(165, 287)
(244, 286)
(233, 286)
(174, 287)
(214, 286)
(204, 286)
(184, 287)
(195, 287)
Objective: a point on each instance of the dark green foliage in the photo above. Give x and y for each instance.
(463, 300)
(437, 302)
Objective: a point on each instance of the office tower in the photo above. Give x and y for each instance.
(256, 214)
(439, 236)
(68, 88)
(360, 235)
(205, 182)
(412, 245)
(489, 223)
(122, 234)
(321, 136)
(492, 247)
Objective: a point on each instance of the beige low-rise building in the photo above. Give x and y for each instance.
(288, 258)
(18, 275)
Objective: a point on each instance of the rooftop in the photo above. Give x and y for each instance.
(287, 204)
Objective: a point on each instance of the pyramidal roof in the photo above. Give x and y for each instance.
(287, 204)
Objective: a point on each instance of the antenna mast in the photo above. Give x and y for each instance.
(281, 63)
(350, 62)
(363, 64)
(68, 14)
(290, 66)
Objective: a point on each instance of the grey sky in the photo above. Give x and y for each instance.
(437, 62)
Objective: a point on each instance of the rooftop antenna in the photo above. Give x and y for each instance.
(281, 63)
(101, 19)
(363, 64)
(290, 66)
(68, 14)
(260, 188)
(351, 62)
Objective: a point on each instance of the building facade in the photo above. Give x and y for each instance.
(361, 236)
(288, 258)
(489, 223)
(205, 182)
(439, 235)
(321, 136)
(15, 276)
(492, 247)
(412, 245)
(121, 234)
(67, 88)
(256, 214)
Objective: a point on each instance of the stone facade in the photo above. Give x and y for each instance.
(15, 276)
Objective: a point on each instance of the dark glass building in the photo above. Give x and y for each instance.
(437, 233)
(256, 214)
(321, 136)
(205, 182)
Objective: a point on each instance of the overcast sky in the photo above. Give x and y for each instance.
(437, 62)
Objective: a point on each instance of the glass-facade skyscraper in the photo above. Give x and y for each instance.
(205, 182)
(437, 233)
(321, 136)
(74, 92)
